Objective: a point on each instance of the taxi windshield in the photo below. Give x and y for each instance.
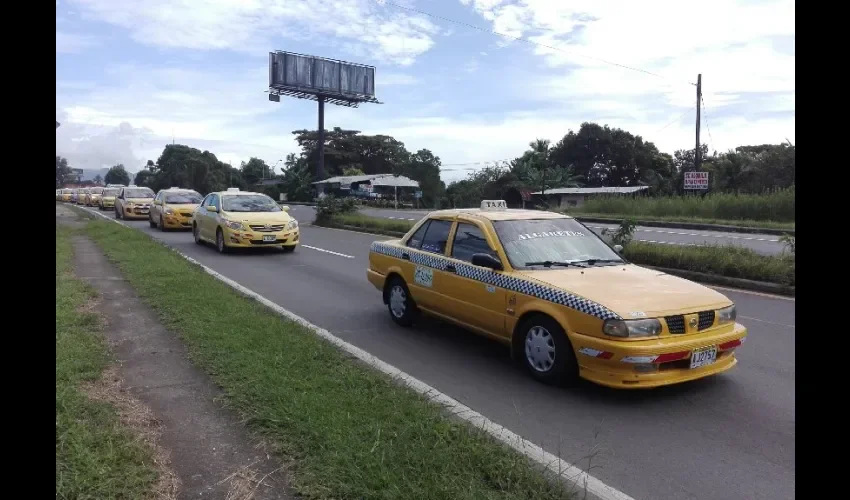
(181, 198)
(551, 240)
(138, 193)
(96, 190)
(110, 191)
(248, 203)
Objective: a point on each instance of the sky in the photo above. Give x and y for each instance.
(135, 75)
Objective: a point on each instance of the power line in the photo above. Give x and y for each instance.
(674, 120)
(705, 118)
(520, 39)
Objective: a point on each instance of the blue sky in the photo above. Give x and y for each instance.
(131, 75)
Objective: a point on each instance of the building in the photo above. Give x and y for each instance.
(380, 186)
(575, 197)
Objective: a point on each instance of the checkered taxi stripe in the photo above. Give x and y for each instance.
(507, 282)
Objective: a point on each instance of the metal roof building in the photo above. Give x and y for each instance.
(575, 197)
(388, 180)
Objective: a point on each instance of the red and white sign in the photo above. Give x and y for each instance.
(696, 180)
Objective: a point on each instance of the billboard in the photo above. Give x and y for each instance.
(696, 180)
(307, 77)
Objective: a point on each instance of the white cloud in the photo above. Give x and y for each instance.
(360, 26)
(71, 43)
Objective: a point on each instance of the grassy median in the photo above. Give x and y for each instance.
(96, 456)
(649, 219)
(351, 432)
(728, 261)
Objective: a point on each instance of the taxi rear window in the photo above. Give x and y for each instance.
(432, 236)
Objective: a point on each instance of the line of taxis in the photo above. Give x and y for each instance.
(226, 219)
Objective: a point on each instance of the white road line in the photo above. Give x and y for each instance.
(328, 251)
(595, 488)
(768, 322)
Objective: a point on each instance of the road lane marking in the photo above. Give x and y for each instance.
(768, 322)
(570, 473)
(328, 251)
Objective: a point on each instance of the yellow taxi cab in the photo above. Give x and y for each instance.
(173, 207)
(93, 196)
(241, 219)
(75, 195)
(107, 198)
(568, 305)
(66, 195)
(82, 193)
(133, 202)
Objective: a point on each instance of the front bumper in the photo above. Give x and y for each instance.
(136, 212)
(107, 203)
(256, 239)
(176, 221)
(612, 363)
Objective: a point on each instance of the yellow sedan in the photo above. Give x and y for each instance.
(240, 219)
(173, 208)
(568, 305)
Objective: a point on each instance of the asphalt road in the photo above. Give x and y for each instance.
(763, 243)
(727, 437)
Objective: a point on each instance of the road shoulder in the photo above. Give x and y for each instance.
(210, 451)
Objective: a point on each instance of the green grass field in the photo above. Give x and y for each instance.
(96, 456)
(776, 209)
(351, 431)
(782, 226)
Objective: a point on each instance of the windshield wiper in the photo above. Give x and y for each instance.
(593, 262)
(550, 263)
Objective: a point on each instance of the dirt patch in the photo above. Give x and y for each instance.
(141, 421)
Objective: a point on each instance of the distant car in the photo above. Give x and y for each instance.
(93, 196)
(75, 195)
(172, 208)
(66, 195)
(107, 198)
(133, 202)
(566, 303)
(240, 219)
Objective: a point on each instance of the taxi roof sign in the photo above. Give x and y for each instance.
(232, 190)
(493, 205)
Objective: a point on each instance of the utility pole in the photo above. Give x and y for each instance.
(697, 159)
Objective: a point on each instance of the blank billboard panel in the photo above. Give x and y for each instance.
(310, 76)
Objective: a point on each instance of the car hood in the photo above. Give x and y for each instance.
(632, 291)
(184, 207)
(139, 200)
(110, 197)
(259, 217)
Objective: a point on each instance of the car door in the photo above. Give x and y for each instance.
(472, 296)
(156, 206)
(119, 201)
(208, 220)
(428, 257)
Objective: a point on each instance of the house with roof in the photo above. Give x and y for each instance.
(575, 197)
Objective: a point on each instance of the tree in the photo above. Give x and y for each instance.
(255, 170)
(144, 178)
(117, 175)
(296, 179)
(184, 166)
(98, 179)
(352, 171)
(423, 167)
(63, 171)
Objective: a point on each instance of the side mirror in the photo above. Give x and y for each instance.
(486, 260)
(157, 202)
(212, 208)
(618, 248)
(285, 208)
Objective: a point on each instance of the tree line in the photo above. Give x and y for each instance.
(593, 156)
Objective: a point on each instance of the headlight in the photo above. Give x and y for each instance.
(727, 315)
(236, 226)
(169, 211)
(632, 328)
(293, 224)
(131, 204)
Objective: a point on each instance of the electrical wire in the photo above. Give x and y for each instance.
(705, 119)
(520, 39)
(673, 121)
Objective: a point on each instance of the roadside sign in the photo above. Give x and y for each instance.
(696, 180)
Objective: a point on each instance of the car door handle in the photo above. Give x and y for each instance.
(405, 256)
(451, 268)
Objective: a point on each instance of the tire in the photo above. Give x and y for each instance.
(151, 222)
(400, 305)
(196, 233)
(546, 352)
(162, 225)
(288, 249)
(117, 212)
(220, 244)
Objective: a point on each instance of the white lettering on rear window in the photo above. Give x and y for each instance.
(550, 234)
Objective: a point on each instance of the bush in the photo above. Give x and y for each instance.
(622, 235)
(331, 206)
(777, 206)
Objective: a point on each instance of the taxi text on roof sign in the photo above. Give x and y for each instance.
(493, 205)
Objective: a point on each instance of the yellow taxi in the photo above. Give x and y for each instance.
(241, 219)
(173, 207)
(568, 305)
(107, 198)
(82, 193)
(133, 202)
(66, 195)
(93, 196)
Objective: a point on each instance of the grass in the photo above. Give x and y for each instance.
(350, 431)
(776, 207)
(96, 456)
(729, 261)
(785, 226)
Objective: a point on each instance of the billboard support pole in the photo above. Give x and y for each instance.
(320, 167)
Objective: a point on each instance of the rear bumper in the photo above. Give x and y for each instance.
(628, 365)
(376, 279)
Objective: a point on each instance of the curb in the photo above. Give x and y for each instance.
(688, 225)
(716, 279)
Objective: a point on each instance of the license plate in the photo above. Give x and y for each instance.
(269, 237)
(703, 357)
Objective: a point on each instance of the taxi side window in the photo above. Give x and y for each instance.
(469, 240)
(212, 201)
(415, 241)
(437, 236)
